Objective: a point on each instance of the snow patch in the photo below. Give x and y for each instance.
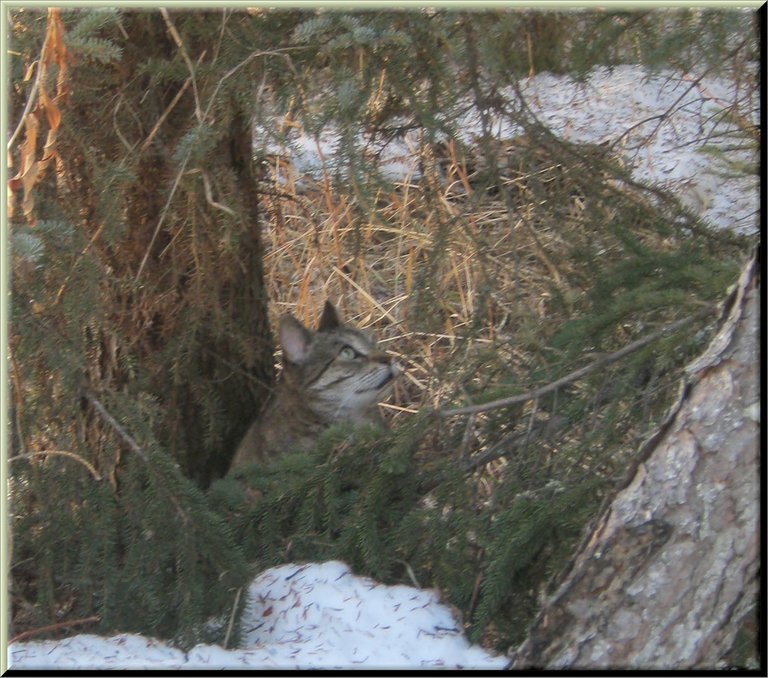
(660, 123)
(295, 616)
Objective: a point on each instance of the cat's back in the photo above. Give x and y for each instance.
(284, 425)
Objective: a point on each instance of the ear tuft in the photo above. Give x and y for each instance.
(330, 319)
(294, 338)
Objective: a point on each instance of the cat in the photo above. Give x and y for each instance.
(330, 376)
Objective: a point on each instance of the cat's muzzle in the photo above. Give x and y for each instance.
(388, 375)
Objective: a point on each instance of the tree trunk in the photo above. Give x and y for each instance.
(192, 312)
(670, 570)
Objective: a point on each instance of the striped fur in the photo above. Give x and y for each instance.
(331, 375)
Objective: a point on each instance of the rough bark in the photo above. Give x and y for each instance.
(168, 272)
(670, 570)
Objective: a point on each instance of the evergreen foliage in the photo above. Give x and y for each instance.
(125, 290)
(140, 344)
(140, 547)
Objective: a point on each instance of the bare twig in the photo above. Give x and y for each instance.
(411, 573)
(180, 44)
(209, 196)
(234, 69)
(121, 432)
(384, 312)
(126, 438)
(232, 617)
(164, 115)
(514, 442)
(30, 100)
(503, 448)
(80, 256)
(577, 374)
(19, 399)
(201, 117)
(466, 437)
(163, 214)
(63, 453)
(475, 593)
(116, 127)
(693, 84)
(54, 627)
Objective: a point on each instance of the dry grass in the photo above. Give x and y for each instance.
(504, 281)
(491, 287)
(321, 244)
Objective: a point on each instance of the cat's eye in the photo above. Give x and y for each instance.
(348, 353)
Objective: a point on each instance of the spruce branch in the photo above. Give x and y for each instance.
(581, 372)
(201, 117)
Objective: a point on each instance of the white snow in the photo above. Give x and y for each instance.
(321, 615)
(296, 616)
(666, 151)
(659, 123)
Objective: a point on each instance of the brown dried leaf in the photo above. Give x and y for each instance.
(57, 51)
(10, 203)
(29, 145)
(30, 71)
(29, 180)
(32, 166)
(52, 112)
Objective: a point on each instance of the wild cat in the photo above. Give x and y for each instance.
(330, 376)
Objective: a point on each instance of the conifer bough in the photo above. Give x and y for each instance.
(581, 372)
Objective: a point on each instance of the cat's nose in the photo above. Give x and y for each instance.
(386, 359)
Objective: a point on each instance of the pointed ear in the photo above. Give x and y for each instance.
(294, 338)
(331, 318)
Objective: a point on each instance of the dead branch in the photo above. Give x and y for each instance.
(64, 453)
(121, 432)
(54, 627)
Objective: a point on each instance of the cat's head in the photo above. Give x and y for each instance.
(336, 367)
